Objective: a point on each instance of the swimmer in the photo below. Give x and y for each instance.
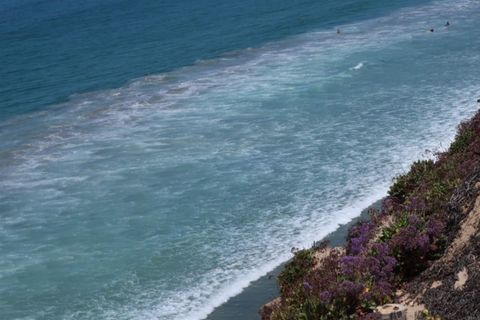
(338, 31)
(447, 24)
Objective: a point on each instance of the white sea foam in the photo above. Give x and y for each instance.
(272, 122)
(357, 66)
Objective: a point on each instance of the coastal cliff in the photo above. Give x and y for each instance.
(420, 252)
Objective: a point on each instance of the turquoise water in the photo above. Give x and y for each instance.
(167, 194)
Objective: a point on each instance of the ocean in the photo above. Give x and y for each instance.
(157, 157)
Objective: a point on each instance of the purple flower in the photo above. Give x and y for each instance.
(350, 264)
(359, 236)
(388, 206)
(325, 296)
(307, 286)
(350, 288)
(434, 227)
(416, 204)
(413, 220)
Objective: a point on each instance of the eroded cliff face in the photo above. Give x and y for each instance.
(450, 287)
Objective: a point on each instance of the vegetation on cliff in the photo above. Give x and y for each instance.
(411, 230)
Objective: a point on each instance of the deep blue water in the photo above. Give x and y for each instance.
(51, 49)
(157, 157)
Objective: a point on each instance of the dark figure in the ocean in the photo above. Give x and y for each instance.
(338, 31)
(447, 24)
(431, 30)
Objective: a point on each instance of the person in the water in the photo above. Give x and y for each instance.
(338, 31)
(431, 30)
(447, 24)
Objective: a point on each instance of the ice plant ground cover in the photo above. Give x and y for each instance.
(403, 238)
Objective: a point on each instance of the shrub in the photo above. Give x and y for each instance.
(405, 184)
(392, 247)
(463, 139)
(297, 268)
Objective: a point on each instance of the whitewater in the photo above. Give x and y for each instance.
(165, 197)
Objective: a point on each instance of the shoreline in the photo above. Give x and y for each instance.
(247, 304)
(415, 258)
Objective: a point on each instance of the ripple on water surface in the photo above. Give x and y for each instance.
(164, 197)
